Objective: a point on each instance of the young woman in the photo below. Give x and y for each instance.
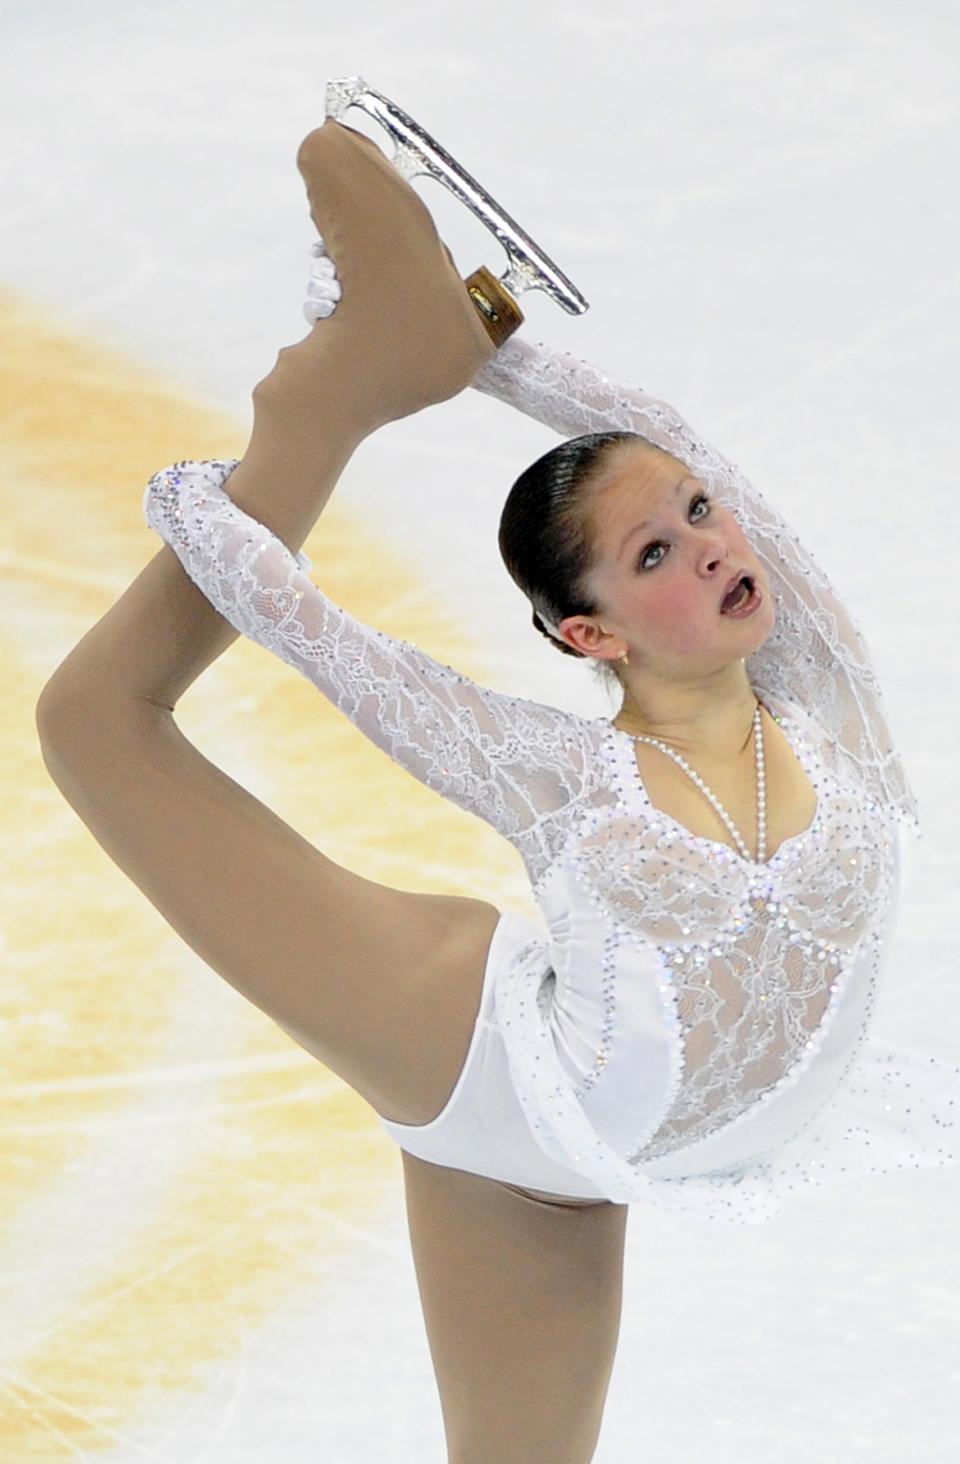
(717, 866)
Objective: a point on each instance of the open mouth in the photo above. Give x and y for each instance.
(742, 599)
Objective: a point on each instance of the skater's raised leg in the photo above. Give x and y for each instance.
(356, 971)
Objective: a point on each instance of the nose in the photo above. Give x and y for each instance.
(714, 555)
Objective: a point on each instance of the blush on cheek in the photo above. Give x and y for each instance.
(676, 618)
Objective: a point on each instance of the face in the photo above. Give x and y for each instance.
(660, 585)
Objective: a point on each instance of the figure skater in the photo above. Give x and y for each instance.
(717, 866)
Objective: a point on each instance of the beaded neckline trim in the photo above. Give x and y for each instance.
(801, 748)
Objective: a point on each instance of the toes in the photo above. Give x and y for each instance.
(327, 134)
(360, 136)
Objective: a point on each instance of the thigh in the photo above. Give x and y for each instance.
(521, 1300)
(382, 985)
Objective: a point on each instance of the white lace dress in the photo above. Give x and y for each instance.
(690, 1028)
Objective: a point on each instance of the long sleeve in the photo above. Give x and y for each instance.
(519, 765)
(815, 656)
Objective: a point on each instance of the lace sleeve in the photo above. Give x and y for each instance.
(517, 764)
(816, 655)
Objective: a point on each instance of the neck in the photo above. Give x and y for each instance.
(710, 718)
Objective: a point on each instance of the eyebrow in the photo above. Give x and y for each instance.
(645, 523)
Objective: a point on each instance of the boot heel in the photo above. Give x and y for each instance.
(496, 307)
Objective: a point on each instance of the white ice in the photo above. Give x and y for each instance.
(759, 201)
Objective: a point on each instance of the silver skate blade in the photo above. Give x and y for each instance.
(418, 152)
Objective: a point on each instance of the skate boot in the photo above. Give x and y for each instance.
(419, 153)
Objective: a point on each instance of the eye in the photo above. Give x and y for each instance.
(644, 562)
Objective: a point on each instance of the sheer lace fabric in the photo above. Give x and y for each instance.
(693, 1028)
(515, 763)
(755, 955)
(816, 656)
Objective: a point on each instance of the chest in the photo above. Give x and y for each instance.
(790, 792)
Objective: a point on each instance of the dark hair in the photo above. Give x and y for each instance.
(544, 537)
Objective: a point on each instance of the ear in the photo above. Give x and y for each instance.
(590, 639)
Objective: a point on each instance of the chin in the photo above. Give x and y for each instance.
(757, 629)
(763, 623)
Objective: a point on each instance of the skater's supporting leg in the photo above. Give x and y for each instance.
(521, 1300)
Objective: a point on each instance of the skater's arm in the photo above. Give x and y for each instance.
(515, 763)
(404, 337)
(162, 633)
(816, 655)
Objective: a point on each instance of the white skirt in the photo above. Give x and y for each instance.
(895, 1108)
(482, 1127)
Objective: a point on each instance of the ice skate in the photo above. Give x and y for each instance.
(417, 152)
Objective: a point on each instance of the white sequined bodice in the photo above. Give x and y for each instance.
(680, 990)
(750, 960)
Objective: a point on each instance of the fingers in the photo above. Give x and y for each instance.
(323, 287)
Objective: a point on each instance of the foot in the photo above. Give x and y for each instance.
(405, 322)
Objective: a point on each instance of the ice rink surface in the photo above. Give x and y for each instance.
(204, 1250)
